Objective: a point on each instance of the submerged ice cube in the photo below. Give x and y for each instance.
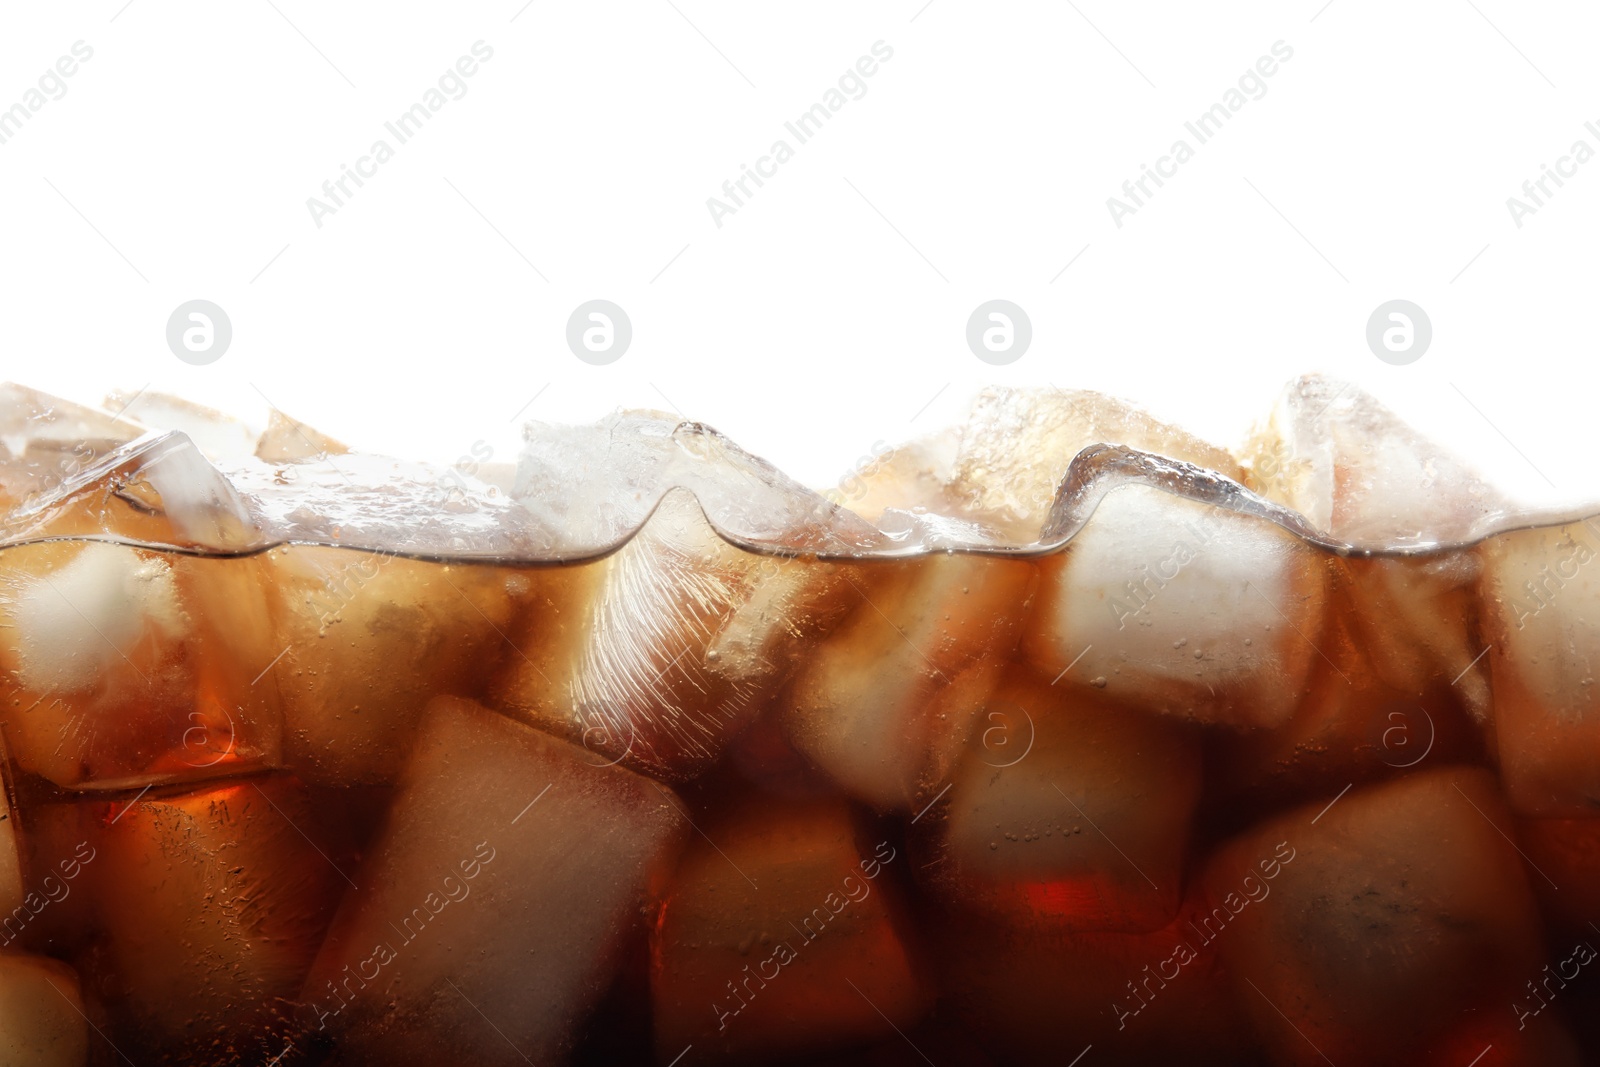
(123, 666)
(1541, 601)
(363, 640)
(1067, 811)
(884, 703)
(783, 934)
(499, 897)
(1392, 925)
(1036, 993)
(208, 907)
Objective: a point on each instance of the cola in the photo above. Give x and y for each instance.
(1059, 736)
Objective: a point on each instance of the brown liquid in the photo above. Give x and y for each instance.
(686, 804)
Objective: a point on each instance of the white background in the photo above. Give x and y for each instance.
(829, 312)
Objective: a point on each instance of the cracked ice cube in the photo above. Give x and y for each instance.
(661, 653)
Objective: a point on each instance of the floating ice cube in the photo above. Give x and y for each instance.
(45, 441)
(157, 490)
(661, 653)
(289, 440)
(495, 904)
(1183, 607)
(220, 438)
(597, 484)
(907, 477)
(1016, 445)
(1360, 473)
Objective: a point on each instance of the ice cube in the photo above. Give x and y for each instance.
(1391, 925)
(1067, 811)
(221, 438)
(1415, 622)
(289, 440)
(364, 639)
(906, 477)
(42, 1023)
(30, 419)
(1541, 607)
(494, 906)
(45, 441)
(883, 704)
(1182, 607)
(1360, 473)
(783, 934)
(1370, 709)
(1016, 445)
(125, 666)
(210, 905)
(594, 486)
(157, 490)
(661, 653)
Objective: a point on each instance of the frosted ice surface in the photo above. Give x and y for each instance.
(1359, 472)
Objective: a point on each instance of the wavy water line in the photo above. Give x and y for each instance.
(838, 533)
